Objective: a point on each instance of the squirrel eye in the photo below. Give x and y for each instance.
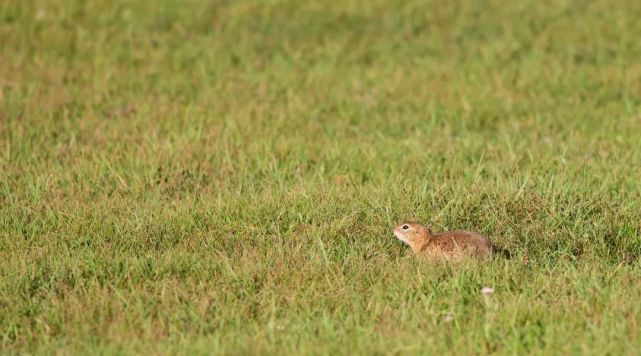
(405, 227)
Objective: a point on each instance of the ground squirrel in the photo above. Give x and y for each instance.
(451, 245)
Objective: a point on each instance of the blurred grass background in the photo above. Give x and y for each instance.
(222, 176)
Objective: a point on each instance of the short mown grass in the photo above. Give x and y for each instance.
(200, 176)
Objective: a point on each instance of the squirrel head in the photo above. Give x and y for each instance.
(412, 233)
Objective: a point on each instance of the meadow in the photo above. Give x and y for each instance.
(222, 177)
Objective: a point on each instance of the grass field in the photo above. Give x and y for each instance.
(200, 176)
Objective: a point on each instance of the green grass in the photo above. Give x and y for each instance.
(199, 176)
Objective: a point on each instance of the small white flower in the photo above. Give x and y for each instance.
(275, 326)
(448, 318)
(487, 290)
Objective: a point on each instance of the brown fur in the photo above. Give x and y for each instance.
(451, 245)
